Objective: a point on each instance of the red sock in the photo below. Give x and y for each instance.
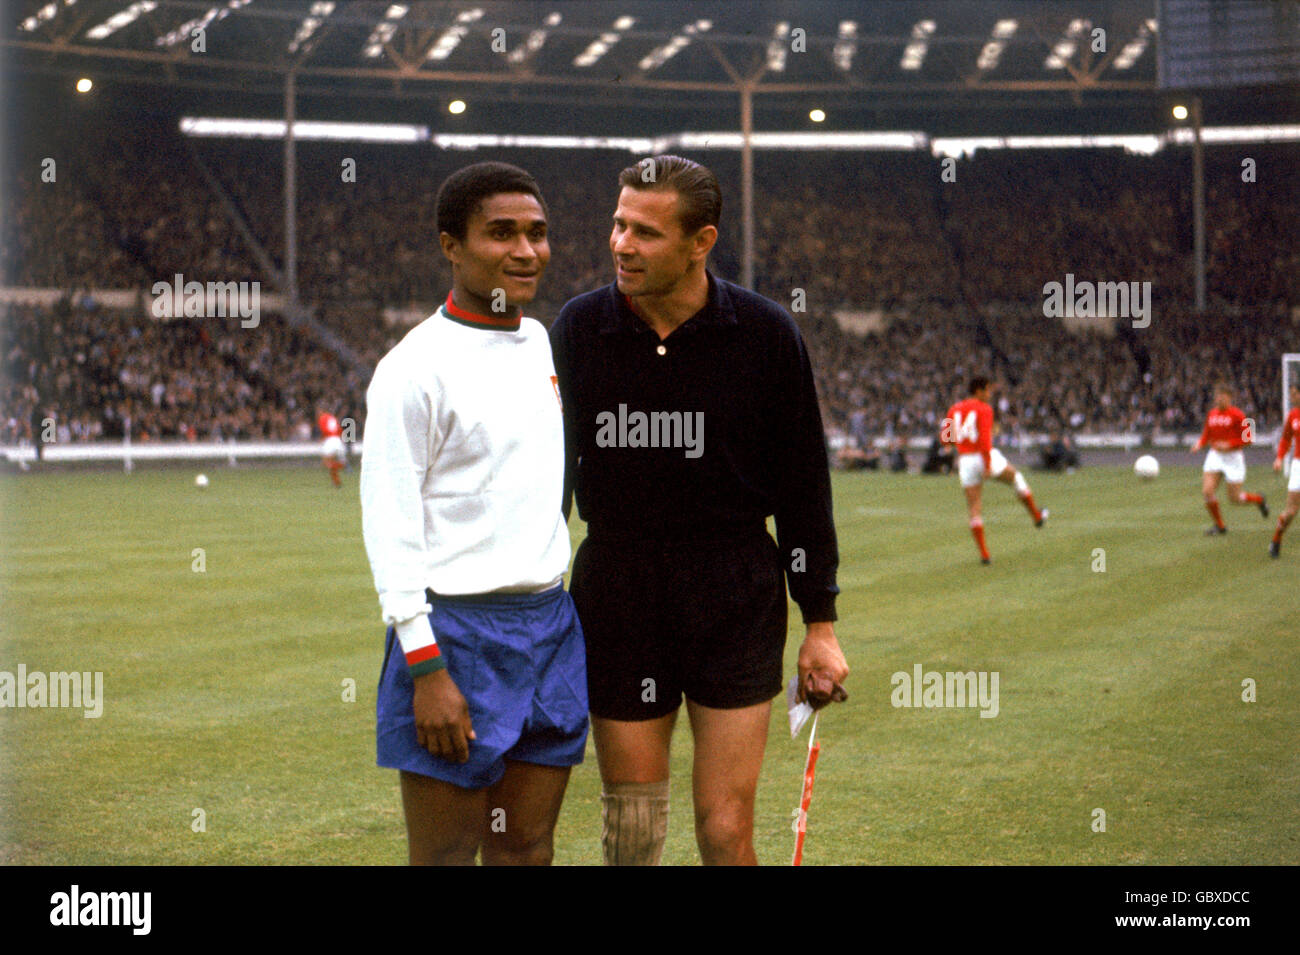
(1282, 523)
(977, 531)
(1213, 508)
(334, 474)
(1033, 508)
(1252, 498)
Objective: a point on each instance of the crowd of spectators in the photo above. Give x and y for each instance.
(954, 269)
(1146, 381)
(95, 372)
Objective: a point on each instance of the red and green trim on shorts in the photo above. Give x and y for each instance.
(424, 660)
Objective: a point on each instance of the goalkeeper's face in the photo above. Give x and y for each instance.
(505, 249)
(652, 255)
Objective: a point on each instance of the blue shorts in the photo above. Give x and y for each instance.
(520, 662)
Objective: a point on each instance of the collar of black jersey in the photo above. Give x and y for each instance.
(490, 323)
(719, 310)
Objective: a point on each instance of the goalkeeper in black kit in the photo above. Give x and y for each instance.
(690, 417)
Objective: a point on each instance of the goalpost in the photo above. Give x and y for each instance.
(1290, 375)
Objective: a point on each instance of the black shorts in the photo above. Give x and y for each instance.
(703, 618)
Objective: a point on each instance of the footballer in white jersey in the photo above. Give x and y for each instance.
(482, 704)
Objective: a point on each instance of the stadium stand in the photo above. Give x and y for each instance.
(955, 272)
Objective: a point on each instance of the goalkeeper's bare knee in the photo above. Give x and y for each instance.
(634, 822)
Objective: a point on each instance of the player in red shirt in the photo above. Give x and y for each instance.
(1290, 439)
(1227, 431)
(969, 425)
(332, 451)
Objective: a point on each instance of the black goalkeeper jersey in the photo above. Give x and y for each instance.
(701, 435)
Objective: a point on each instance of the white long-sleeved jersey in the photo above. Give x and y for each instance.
(462, 468)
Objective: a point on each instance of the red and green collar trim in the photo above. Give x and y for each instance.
(496, 323)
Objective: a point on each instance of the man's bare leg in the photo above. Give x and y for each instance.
(1284, 519)
(444, 823)
(633, 759)
(974, 505)
(1237, 494)
(729, 748)
(1209, 491)
(521, 810)
(1014, 478)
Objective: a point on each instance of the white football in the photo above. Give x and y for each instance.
(201, 480)
(1146, 467)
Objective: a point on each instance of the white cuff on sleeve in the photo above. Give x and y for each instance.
(415, 633)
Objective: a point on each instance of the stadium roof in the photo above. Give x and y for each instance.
(610, 66)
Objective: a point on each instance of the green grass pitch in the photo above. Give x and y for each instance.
(1120, 689)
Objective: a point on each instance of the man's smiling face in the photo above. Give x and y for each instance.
(505, 247)
(651, 253)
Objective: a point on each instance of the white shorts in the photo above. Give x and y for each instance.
(1293, 485)
(1231, 464)
(333, 448)
(970, 467)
